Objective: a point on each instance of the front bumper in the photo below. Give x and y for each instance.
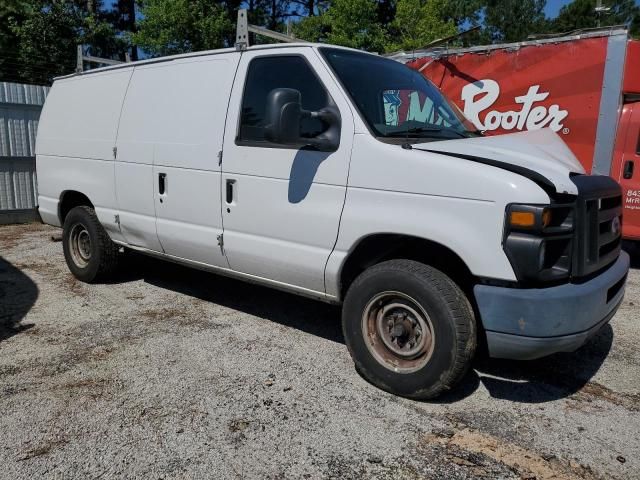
(524, 324)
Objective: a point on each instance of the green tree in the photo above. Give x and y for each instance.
(123, 18)
(177, 26)
(581, 14)
(314, 28)
(463, 12)
(351, 23)
(43, 36)
(419, 22)
(46, 41)
(514, 20)
(10, 11)
(354, 24)
(386, 11)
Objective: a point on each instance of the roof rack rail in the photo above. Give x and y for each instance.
(243, 27)
(81, 58)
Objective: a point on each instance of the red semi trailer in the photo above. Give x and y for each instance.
(585, 87)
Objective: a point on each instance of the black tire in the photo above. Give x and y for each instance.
(90, 254)
(395, 354)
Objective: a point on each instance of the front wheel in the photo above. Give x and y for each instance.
(88, 250)
(409, 328)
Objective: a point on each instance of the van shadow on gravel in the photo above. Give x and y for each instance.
(546, 379)
(536, 381)
(313, 317)
(18, 293)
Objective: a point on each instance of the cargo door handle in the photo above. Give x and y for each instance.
(229, 190)
(627, 171)
(162, 183)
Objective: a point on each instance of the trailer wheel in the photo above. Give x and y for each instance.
(409, 329)
(88, 250)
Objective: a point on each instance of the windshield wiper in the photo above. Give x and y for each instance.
(417, 131)
(412, 131)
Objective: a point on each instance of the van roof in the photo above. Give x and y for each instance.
(206, 53)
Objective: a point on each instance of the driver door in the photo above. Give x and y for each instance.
(281, 205)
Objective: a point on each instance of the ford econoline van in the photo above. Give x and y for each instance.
(342, 176)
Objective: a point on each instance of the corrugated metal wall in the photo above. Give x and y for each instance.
(20, 107)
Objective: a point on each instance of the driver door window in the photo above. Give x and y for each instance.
(268, 73)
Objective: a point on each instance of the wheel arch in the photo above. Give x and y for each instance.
(70, 199)
(379, 247)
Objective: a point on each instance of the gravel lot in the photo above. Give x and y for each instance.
(173, 373)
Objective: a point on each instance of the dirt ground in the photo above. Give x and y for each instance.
(172, 373)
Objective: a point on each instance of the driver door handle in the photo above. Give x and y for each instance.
(230, 190)
(627, 171)
(162, 183)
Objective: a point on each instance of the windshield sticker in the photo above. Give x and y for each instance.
(404, 105)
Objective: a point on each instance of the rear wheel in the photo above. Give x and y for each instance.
(409, 328)
(88, 250)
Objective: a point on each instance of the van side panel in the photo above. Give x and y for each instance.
(172, 125)
(76, 136)
(459, 204)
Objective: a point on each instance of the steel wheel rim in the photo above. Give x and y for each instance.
(80, 245)
(398, 332)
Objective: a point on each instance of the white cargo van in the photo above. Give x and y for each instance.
(296, 167)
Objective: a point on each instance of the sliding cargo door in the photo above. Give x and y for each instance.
(178, 112)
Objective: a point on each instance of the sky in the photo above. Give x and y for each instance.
(554, 6)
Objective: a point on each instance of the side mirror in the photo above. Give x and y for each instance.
(284, 115)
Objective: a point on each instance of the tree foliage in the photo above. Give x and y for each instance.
(177, 26)
(419, 22)
(351, 23)
(46, 42)
(39, 38)
(514, 20)
(11, 11)
(580, 14)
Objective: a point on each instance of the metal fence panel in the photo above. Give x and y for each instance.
(18, 126)
(22, 94)
(20, 107)
(18, 186)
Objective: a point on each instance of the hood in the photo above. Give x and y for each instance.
(539, 151)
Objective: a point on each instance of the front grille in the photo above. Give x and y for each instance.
(599, 224)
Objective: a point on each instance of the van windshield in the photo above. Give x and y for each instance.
(396, 101)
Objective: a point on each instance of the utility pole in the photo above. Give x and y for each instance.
(600, 10)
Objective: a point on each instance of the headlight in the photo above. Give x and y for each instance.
(538, 241)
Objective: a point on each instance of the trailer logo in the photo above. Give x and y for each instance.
(481, 95)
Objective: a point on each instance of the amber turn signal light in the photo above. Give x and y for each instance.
(530, 219)
(523, 219)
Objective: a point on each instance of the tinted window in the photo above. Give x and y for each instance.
(268, 73)
(396, 101)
